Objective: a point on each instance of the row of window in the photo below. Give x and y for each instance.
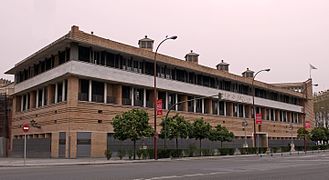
(43, 65)
(40, 97)
(143, 66)
(95, 91)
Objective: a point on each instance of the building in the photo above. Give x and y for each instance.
(321, 109)
(6, 89)
(71, 89)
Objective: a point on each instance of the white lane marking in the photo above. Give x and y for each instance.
(181, 176)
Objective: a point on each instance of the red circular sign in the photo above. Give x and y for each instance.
(26, 127)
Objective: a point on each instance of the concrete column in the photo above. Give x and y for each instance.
(202, 110)
(132, 90)
(56, 93)
(22, 102)
(176, 101)
(167, 100)
(144, 98)
(63, 91)
(105, 92)
(90, 91)
(244, 110)
(37, 99)
(43, 97)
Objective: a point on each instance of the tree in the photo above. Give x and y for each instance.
(318, 134)
(200, 130)
(175, 127)
(132, 125)
(221, 134)
(303, 133)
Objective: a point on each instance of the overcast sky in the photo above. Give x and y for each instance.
(284, 35)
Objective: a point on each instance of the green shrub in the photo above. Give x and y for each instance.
(121, 153)
(163, 153)
(130, 154)
(108, 154)
(226, 151)
(139, 153)
(206, 152)
(191, 150)
(249, 150)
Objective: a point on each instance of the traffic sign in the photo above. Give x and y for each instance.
(26, 127)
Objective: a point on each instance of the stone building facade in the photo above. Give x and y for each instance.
(70, 90)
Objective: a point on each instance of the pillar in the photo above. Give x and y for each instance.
(37, 99)
(56, 93)
(90, 91)
(63, 91)
(144, 97)
(43, 97)
(185, 105)
(167, 100)
(194, 106)
(202, 106)
(132, 94)
(176, 101)
(105, 92)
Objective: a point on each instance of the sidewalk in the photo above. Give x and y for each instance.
(33, 162)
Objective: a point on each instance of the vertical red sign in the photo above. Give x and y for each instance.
(259, 118)
(159, 107)
(307, 124)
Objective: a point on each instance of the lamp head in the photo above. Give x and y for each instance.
(173, 37)
(267, 70)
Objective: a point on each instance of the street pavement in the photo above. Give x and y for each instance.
(286, 167)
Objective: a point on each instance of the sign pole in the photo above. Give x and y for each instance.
(24, 148)
(25, 128)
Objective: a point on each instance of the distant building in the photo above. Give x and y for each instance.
(6, 89)
(70, 90)
(321, 109)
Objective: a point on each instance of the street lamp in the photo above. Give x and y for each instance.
(292, 146)
(253, 102)
(244, 125)
(155, 147)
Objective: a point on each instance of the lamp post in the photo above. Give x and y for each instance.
(253, 103)
(155, 147)
(292, 145)
(244, 125)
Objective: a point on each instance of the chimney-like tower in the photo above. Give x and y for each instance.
(222, 66)
(192, 57)
(146, 43)
(248, 73)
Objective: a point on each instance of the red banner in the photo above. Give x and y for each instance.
(259, 118)
(307, 125)
(159, 107)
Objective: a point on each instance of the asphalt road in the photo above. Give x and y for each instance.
(308, 167)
